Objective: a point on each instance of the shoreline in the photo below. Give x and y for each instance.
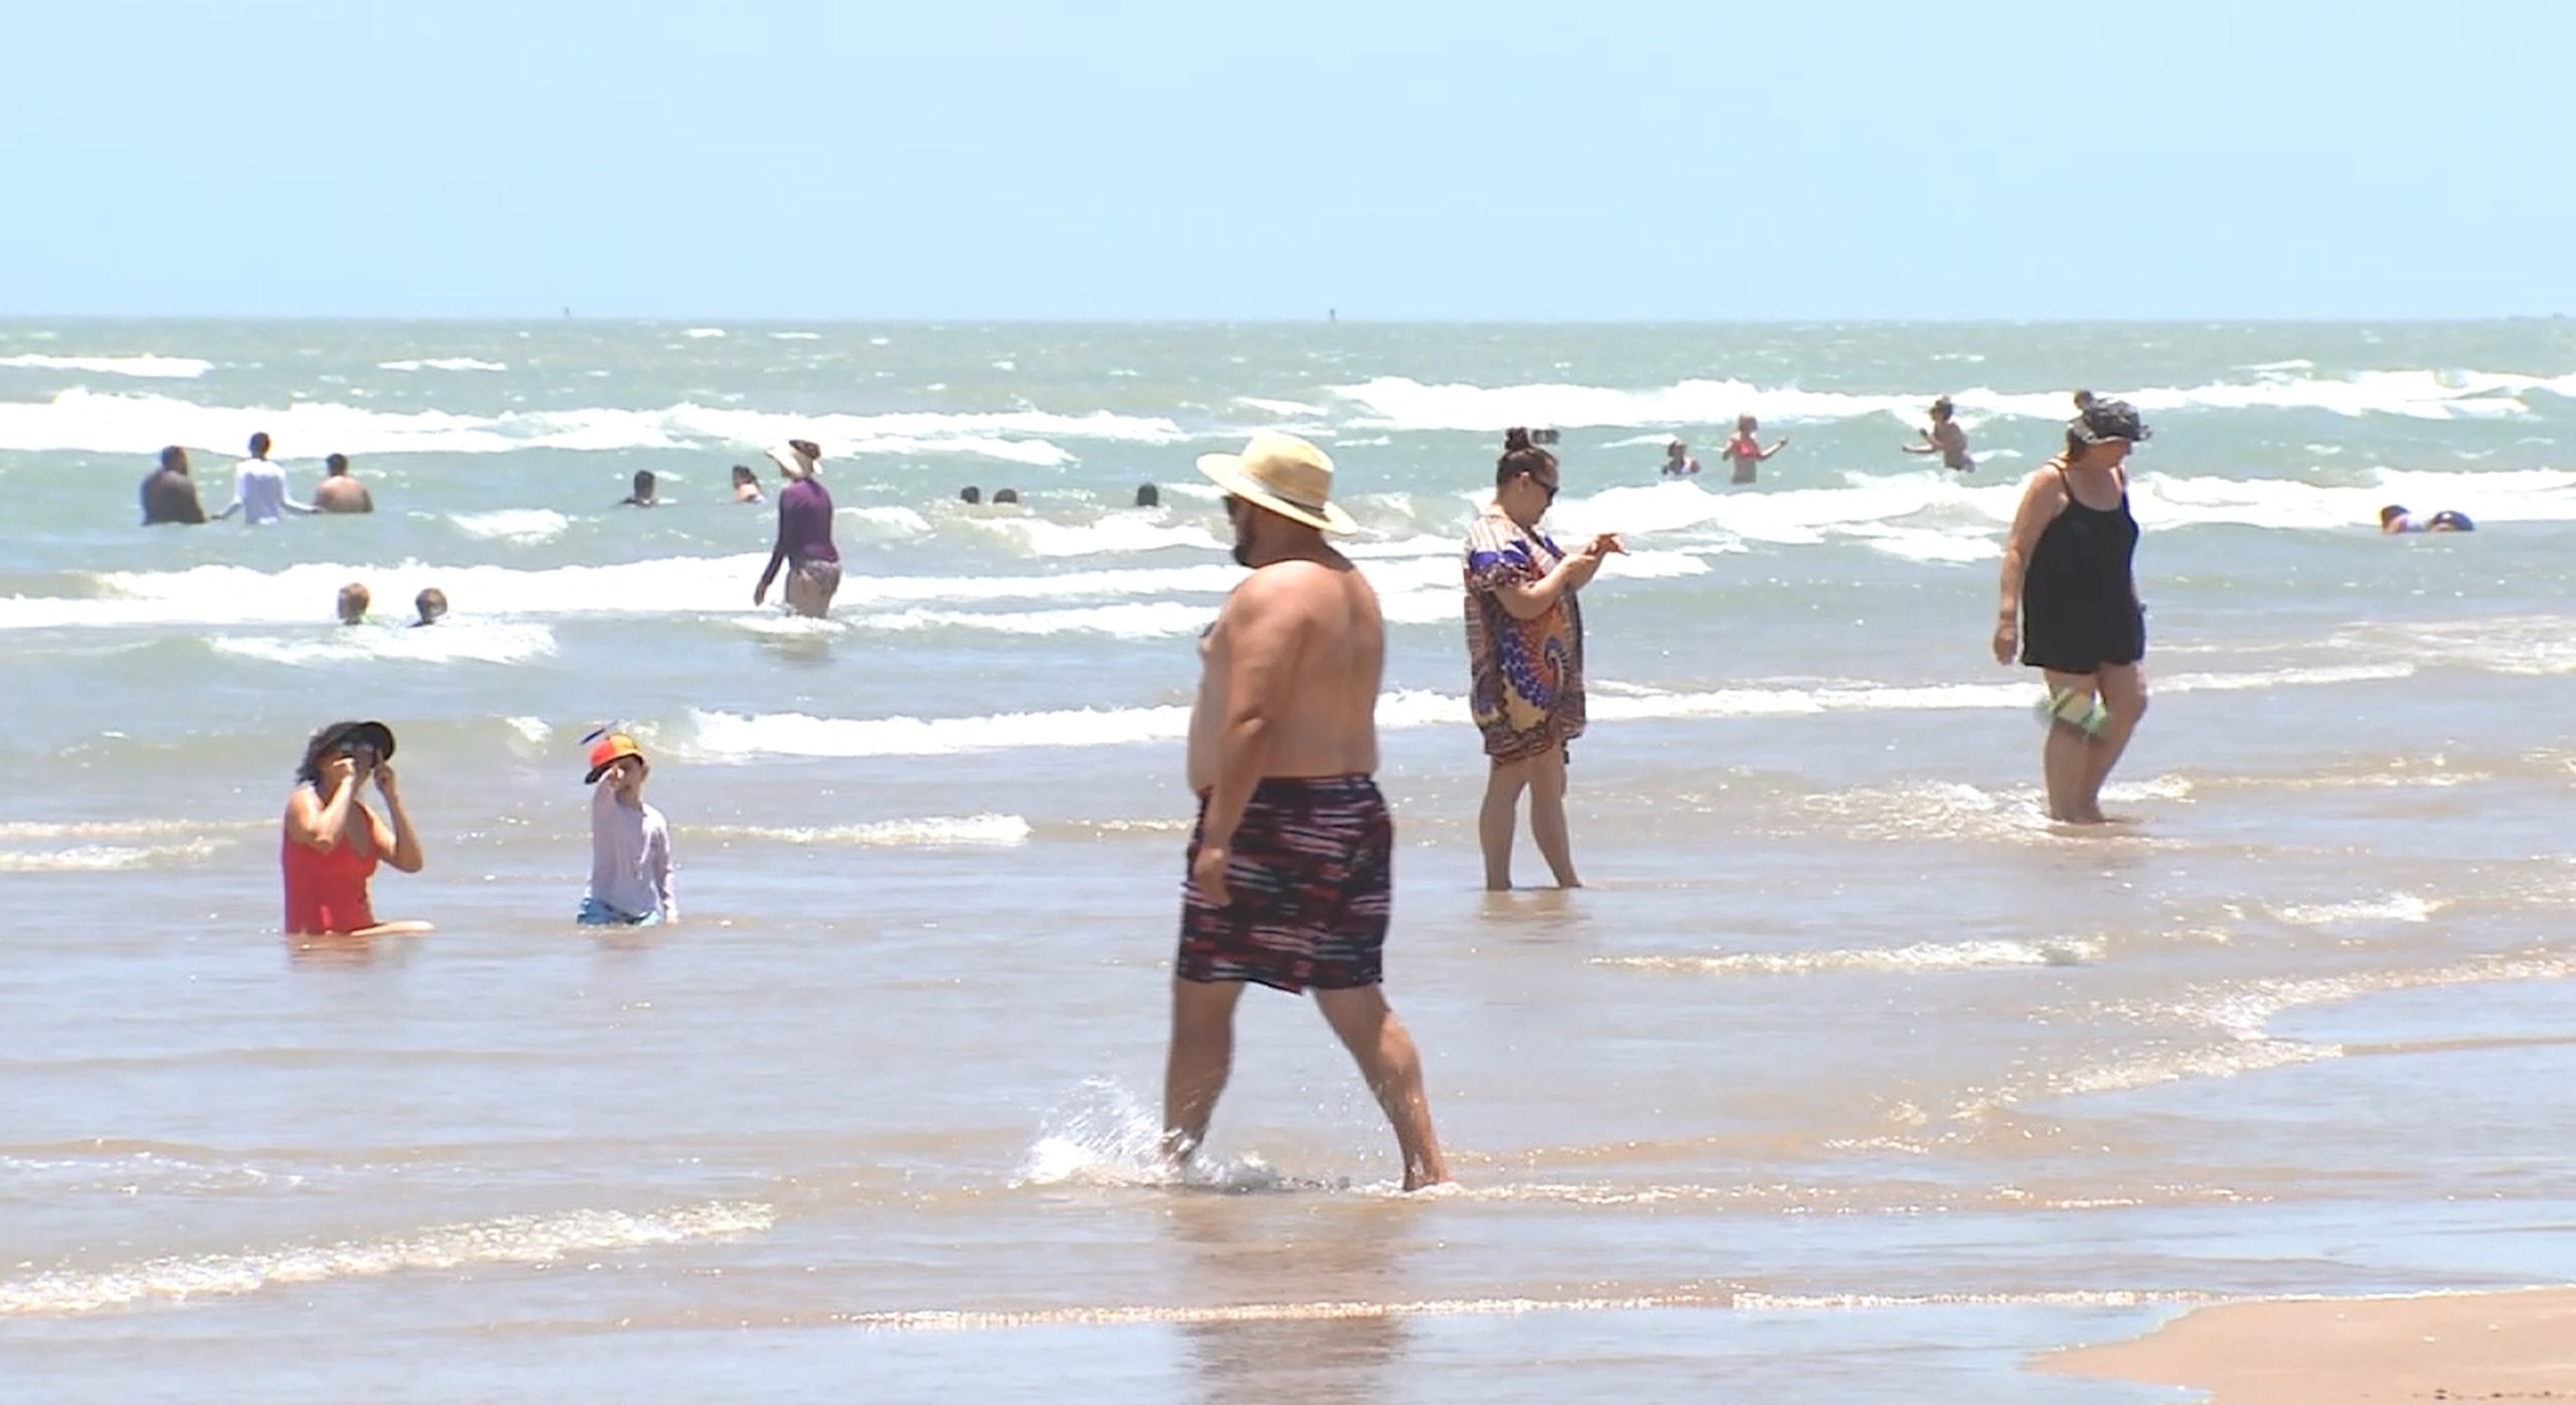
(2511, 1344)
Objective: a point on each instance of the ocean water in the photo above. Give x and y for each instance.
(1849, 1077)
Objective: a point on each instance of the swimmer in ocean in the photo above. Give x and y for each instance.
(2395, 520)
(1945, 438)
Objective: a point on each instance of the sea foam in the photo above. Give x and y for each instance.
(143, 367)
(83, 419)
(1397, 402)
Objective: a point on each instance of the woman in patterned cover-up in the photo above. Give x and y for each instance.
(1525, 645)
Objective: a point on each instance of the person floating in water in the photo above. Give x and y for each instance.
(630, 842)
(338, 492)
(746, 484)
(1147, 495)
(169, 494)
(354, 601)
(1677, 460)
(1006, 497)
(642, 496)
(971, 495)
(432, 605)
(259, 489)
(2394, 520)
(1945, 438)
(1745, 449)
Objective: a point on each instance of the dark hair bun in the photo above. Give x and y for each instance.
(1515, 441)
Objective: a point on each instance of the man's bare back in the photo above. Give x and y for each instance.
(1301, 642)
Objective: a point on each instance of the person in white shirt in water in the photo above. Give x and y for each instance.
(259, 488)
(630, 842)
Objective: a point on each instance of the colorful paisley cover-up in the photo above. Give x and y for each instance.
(1528, 689)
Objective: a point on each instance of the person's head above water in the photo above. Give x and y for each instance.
(1006, 495)
(259, 445)
(643, 486)
(353, 603)
(1746, 424)
(1942, 408)
(2391, 513)
(970, 495)
(1676, 449)
(432, 604)
(175, 459)
(742, 476)
(1147, 495)
(335, 466)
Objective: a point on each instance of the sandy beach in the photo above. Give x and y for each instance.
(2327, 1351)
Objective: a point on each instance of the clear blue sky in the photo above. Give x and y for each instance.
(1399, 159)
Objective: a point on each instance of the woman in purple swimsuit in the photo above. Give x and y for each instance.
(804, 534)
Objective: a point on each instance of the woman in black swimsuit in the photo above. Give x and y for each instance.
(2070, 606)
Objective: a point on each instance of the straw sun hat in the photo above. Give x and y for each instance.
(1283, 474)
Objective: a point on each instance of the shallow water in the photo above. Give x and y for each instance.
(1849, 1076)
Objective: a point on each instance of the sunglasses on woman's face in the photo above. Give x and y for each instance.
(1546, 485)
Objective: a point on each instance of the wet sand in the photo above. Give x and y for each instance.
(2327, 1351)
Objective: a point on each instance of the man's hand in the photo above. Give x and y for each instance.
(1207, 874)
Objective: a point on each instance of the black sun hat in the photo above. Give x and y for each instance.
(340, 734)
(2109, 419)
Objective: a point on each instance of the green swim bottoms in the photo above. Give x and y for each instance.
(2084, 713)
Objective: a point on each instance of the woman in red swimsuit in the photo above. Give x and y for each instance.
(332, 842)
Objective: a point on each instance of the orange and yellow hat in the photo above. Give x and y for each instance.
(608, 751)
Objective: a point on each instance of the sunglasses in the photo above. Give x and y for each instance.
(1546, 485)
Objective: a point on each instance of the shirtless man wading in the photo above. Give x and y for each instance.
(1291, 866)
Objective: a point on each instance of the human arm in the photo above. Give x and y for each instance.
(2043, 496)
(1927, 447)
(1493, 567)
(398, 843)
(1766, 453)
(313, 823)
(1265, 634)
(657, 863)
(777, 556)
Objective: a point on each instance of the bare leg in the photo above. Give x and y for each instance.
(394, 929)
(809, 597)
(1393, 1069)
(1494, 823)
(2066, 758)
(1547, 816)
(2124, 694)
(1201, 1055)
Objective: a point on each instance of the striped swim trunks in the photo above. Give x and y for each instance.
(1311, 874)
